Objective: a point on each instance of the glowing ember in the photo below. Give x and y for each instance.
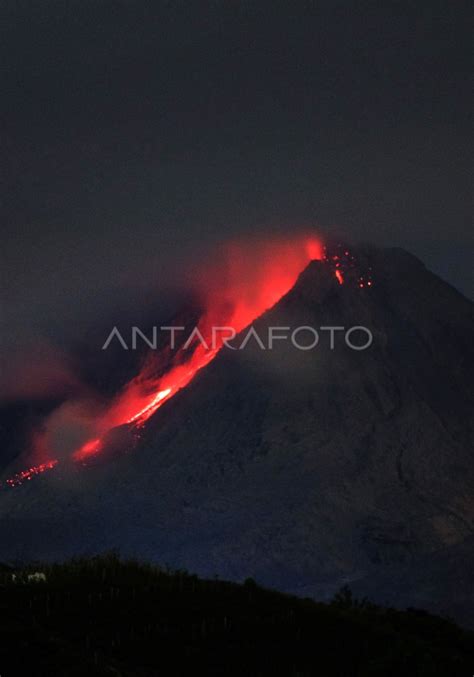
(27, 475)
(346, 268)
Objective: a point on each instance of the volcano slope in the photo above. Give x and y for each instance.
(306, 470)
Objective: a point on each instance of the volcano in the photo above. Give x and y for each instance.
(305, 469)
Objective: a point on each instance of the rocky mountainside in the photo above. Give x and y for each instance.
(303, 469)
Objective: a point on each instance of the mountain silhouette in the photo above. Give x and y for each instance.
(304, 469)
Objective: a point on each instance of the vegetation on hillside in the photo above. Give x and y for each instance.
(106, 617)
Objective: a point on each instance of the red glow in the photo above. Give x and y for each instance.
(314, 249)
(90, 448)
(26, 475)
(246, 282)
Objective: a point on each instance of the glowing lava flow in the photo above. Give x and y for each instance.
(248, 279)
(249, 282)
(141, 416)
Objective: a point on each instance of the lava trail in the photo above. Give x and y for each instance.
(248, 279)
(246, 283)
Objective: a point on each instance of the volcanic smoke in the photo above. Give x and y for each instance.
(246, 283)
(248, 279)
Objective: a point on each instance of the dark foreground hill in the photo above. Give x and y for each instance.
(104, 618)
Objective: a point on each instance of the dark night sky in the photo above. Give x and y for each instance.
(137, 132)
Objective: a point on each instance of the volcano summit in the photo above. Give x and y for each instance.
(303, 469)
